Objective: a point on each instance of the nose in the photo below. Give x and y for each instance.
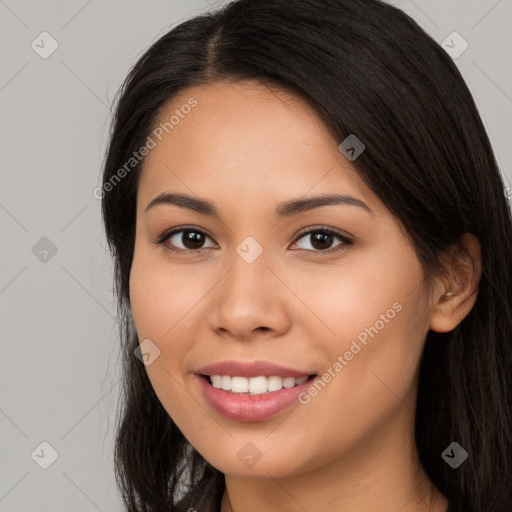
(250, 301)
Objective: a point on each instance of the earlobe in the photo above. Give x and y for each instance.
(457, 295)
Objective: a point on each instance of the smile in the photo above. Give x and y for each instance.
(247, 406)
(254, 385)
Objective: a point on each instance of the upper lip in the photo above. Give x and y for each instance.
(251, 369)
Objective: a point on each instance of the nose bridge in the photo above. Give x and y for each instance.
(249, 293)
(247, 280)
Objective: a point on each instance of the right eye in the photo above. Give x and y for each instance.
(191, 239)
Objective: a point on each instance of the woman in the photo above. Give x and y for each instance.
(313, 264)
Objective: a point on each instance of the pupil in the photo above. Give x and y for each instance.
(324, 240)
(192, 240)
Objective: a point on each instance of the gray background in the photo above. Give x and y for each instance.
(60, 359)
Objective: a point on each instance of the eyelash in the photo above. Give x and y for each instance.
(321, 229)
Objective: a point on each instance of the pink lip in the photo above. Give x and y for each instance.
(248, 408)
(251, 369)
(242, 407)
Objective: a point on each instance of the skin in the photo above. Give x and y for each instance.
(247, 148)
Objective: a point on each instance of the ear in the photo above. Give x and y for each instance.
(456, 295)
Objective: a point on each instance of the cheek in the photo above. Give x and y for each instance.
(349, 297)
(366, 387)
(161, 295)
(377, 323)
(163, 308)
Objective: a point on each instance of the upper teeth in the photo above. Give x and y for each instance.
(254, 385)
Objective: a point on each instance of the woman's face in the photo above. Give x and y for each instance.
(352, 310)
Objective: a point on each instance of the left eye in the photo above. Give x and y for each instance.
(192, 240)
(321, 240)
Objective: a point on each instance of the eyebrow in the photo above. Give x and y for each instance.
(286, 209)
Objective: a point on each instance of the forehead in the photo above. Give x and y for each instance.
(245, 140)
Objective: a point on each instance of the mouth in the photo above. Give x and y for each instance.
(252, 399)
(259, 385)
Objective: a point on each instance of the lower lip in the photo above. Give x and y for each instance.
(241, 407)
